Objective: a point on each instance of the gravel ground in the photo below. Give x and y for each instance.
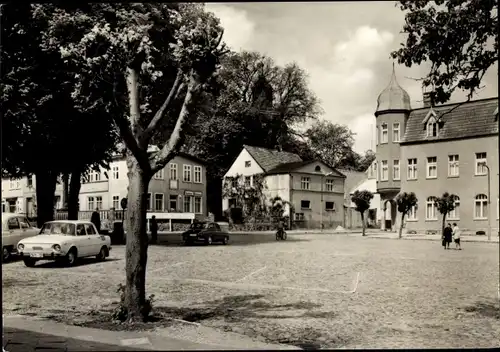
(409, 294)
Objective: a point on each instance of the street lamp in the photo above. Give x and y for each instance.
(322, 209)
(489, 200)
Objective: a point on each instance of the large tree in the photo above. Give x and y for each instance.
(134, 60)
(458, 37)
(43, 133)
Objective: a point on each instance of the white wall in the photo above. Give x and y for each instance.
(238, 167)
(278, 186)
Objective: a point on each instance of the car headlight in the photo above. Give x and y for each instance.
(20, 246)
(56, 247)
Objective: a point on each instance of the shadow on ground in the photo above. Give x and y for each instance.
(485, 309)
(234, 240)
(81, 262)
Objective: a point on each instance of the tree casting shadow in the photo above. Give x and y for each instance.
(485, 309)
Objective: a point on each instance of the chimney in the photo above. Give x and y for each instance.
(427, 100)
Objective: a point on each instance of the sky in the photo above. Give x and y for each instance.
(343, 46)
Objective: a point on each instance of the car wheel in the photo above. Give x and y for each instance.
(30, 263)
(208, 241)
(71, 257)
(225, 241)
(5, 254)
(103, 253)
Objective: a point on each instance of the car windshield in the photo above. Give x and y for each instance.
(198, 226)
(58, 228)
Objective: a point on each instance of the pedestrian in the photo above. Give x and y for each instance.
(456, 236)
(96, 220)
(447, 236)
(153, 226)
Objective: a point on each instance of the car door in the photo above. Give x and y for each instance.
(217, 236)
(82, 241)
(25, 228)
(13, 232)
(95, 240)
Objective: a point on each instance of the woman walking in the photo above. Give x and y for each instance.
(447, 236)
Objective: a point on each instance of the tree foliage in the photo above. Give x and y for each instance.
(362, 201)
(405, 202)
(458, 37)
(445, 204)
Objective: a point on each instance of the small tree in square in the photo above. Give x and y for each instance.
(445, 204)
(405, 202)
(362, 200)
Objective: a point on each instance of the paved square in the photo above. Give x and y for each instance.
(325, 290)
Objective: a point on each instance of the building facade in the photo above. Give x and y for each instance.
(313, 192)
(436, 149)
(178, 188)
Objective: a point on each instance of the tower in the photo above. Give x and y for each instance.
(393, 109)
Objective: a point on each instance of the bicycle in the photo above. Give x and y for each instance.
(280, 235)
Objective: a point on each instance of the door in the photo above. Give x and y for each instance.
(13, 232)
(82, 241)
(217, 233)
(95, 240)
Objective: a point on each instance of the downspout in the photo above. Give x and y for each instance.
(290, 220)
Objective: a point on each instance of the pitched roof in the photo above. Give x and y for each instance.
(290, 167)
(471, 119)
(269, 159)
(353, 179)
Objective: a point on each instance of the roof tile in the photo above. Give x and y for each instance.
(269, 159)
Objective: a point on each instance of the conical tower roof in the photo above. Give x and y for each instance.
(393, 97)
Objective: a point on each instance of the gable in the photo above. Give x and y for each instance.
(268, 159)
(244, 164)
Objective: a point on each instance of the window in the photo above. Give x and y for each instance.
(13, 224)
(385, 133)
(453, 170)
(384, 172)
(23, 222)
(248, 181)
(149, 202)
(160, 174)
(431, 209)
(481, 207)
(187, 204)
(305, 204)
(304, 182)
(173, 203)
(90, 229)
(248, 163)
(432, 167)
(317, 168)
(187, 173)
(480, 164)
(116, 202)
(116, 172)
(197, 205)
(97, 176)
(412, 214)
(455, 213)
(329, 185)
(98, 202)
(30, 181)
(412, 169)
(234, 182)
(330, 206)
(396, 174)
(395, 132)
(376, 135)
(197, 174)
(159, 201)
(173, 171)
(90, 203)
(299, 217)
(432, 128)
(12, 184)
(80, 230)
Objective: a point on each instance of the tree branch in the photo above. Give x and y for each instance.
(133, 93)
(171, 148)
(145, 136)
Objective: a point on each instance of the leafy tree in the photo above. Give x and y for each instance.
(362, 200)
(363, 162)
(127, 54)
(445, 204)
(458, 37)
(405, 203)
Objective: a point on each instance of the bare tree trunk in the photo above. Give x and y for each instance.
(363, 222)
(401, 226)
(443, 226)
(136, 254)
(45, 193)
(65, 180)
(74, 192)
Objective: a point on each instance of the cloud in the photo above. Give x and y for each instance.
(238, 28)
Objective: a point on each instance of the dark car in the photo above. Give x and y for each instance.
(206, 232)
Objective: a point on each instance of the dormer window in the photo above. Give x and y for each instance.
(248, 163)
(432, 128)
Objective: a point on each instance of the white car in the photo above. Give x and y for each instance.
(65, 240)
(15, 227)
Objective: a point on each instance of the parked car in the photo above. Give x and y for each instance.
(65, 240)
(15, 227)
(206, 232)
